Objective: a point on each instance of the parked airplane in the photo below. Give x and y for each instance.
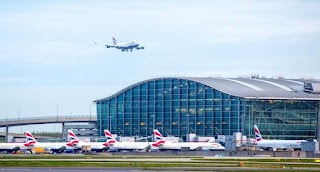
(125, 46)
(163, 145)
(54, 147)
(11, 147)
(77, 144)
(121, 146)
(275, 144)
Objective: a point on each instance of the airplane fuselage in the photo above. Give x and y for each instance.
(57, 147)
(130, 146)
(128, 45)
(95, 146)
(192, 146)
(279, 144)
(11, 147)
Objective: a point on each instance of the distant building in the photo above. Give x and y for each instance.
(282, 108)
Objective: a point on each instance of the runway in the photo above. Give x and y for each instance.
(71, 169)
(173, 169)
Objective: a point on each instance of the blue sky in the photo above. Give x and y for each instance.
(48, 57)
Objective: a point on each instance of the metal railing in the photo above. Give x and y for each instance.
(46, 119)
(49, 117)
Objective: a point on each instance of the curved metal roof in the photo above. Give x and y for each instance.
(249, 88)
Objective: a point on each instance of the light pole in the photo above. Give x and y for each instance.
(19, 113)
(188, 130)
(153, 125)
(249, 121)
(90, 112)
(57, 111)
(19, 121)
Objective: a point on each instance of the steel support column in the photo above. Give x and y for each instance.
(318, 122)
(63, 136)
(7, 131)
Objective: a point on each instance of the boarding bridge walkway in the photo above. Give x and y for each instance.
(9, 122)
(45, 120)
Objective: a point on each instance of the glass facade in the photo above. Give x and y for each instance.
(285, 119)
(179, 106)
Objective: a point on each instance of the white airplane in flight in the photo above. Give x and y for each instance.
(162, 144)
(77, 144)
(54, 147)
(125, 46)
(11, 147)
(128, 146)
(275, 144)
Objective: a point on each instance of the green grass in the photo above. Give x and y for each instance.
(61, 163)
(130, 162)
(257, 160)
(106, 164)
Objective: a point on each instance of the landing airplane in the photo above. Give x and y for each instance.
(125, 46)
(77, 144)
(122, 146)
(54, 147)
(163, 145)
(275, 144)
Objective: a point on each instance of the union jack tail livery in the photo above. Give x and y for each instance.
(73, 139)
(257, 133)
(108, 134)
(31, 141)
(159, 138)
(158, 143)
(109, 142)
(157, 134)
(114, 41)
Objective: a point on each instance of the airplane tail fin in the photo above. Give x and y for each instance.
(114, 41)
(257, 133)
(108, 134)
(159, 138)
(31, 140)
(111, 140)
(73, 139)
(157, 134)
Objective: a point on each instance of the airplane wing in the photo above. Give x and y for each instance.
(108, 46)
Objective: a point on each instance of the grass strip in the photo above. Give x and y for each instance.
(106, 164)
(257, 160)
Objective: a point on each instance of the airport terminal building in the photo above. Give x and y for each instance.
(282, 108)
